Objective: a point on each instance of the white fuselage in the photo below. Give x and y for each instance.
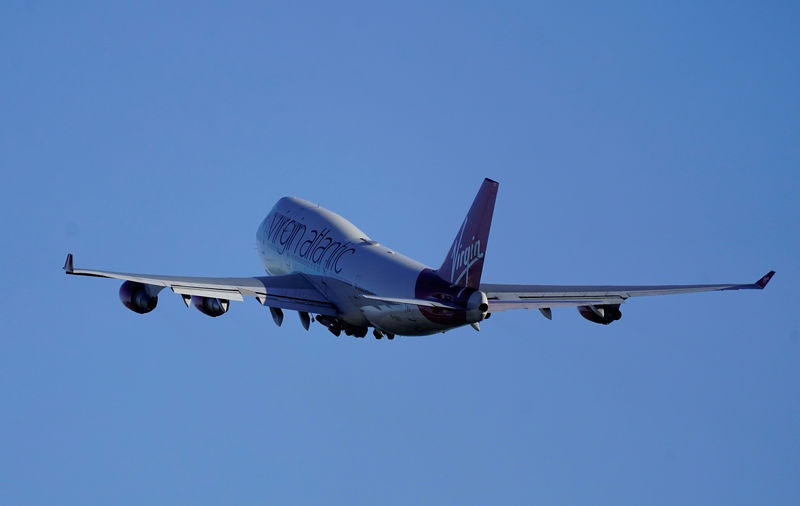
(344, 264)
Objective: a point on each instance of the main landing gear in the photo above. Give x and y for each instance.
(336, 326)
(379, 334)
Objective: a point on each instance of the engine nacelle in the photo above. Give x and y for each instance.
(211, 306)
(137, 297)
(602, 314)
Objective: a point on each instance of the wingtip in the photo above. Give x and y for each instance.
(68, 264)
(761, 283)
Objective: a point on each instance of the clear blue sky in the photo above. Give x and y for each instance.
(632, 143)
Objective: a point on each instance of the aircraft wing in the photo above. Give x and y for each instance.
(292, 291)
(505, 297)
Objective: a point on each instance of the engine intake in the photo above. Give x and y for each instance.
(137, 297)
(210, 306)
(602, 314)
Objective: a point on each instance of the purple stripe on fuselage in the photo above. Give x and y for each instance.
(431, 286)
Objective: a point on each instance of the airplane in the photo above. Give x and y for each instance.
(322, 266)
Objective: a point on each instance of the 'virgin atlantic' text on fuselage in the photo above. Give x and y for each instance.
(316, 246)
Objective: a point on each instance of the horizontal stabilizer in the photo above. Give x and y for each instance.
(416, 302)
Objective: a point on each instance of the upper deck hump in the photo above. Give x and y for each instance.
(298, 208)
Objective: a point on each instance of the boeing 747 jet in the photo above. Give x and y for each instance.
(322, 266)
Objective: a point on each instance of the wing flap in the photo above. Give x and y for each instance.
(499, 305)
(316, 307)
(208, 292)
(295, 292)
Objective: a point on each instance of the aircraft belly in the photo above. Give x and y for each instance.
(400, 319)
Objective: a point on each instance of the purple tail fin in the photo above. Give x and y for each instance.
(464, 262)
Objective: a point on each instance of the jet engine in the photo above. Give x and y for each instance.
(602, 314)
(137, 297)
(211, 306)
